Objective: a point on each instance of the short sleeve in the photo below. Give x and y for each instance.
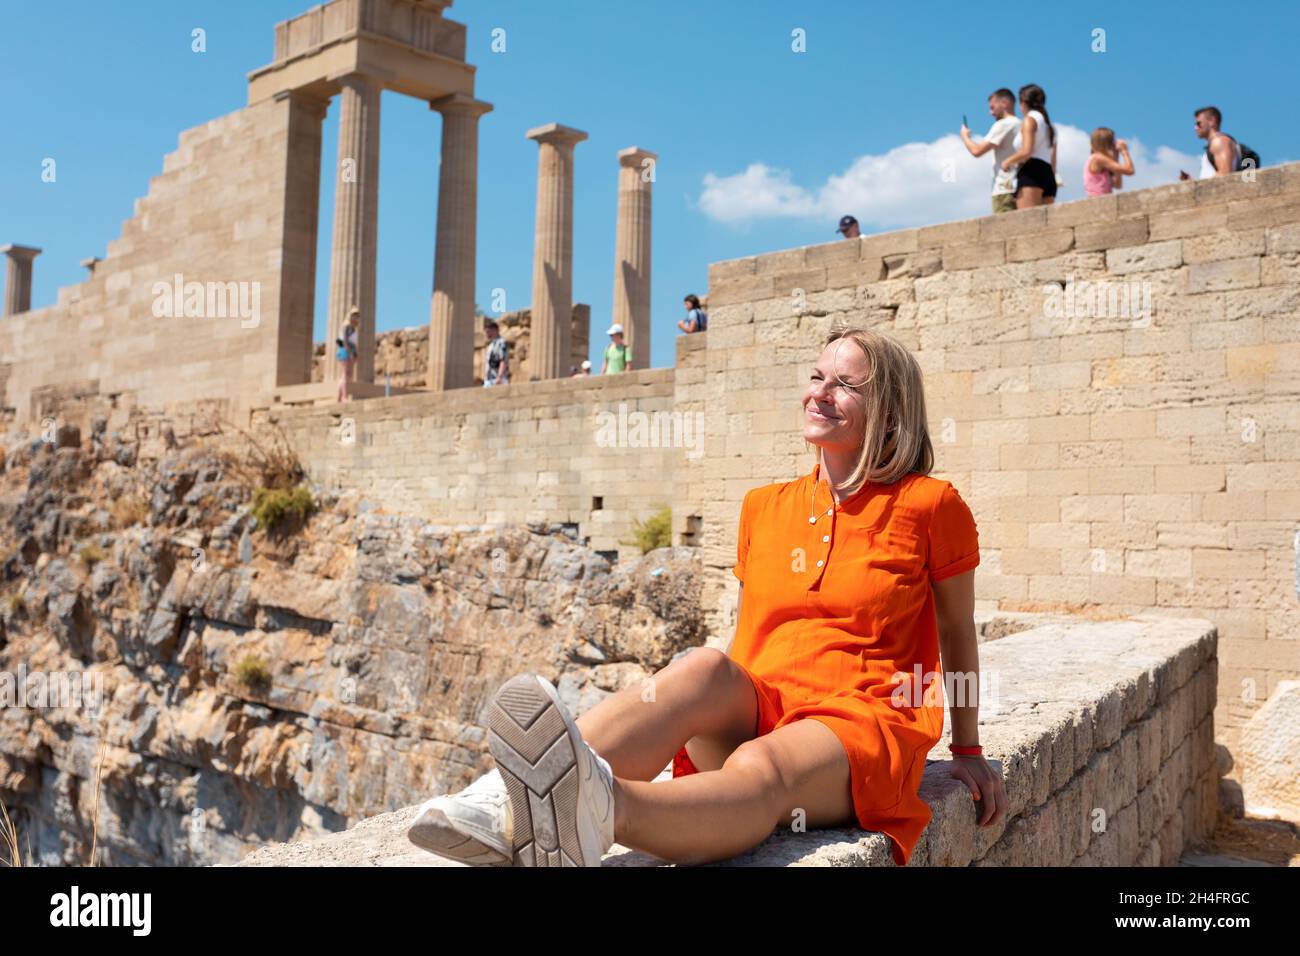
(999, 131)
(953, 538)
(742, 539)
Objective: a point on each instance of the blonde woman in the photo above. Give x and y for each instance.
(347, 351)
(856, 578)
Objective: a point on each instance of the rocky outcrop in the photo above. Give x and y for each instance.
(246, 686)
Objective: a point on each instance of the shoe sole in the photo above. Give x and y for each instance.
(432, 831)
(533, 746)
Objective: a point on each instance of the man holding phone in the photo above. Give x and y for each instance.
(1002, 107)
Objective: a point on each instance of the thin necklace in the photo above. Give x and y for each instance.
(813, 517)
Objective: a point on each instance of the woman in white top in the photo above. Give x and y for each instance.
(1035, 151)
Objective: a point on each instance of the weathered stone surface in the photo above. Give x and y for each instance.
(1270, 756)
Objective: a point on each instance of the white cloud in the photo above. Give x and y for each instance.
(913, 184)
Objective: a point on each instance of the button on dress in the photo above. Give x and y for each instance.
(838, 624)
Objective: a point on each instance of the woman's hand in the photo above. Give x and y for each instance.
(984, 783)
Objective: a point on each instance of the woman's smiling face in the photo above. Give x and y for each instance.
(835, 413)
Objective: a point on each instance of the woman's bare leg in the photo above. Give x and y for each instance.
(705, 695)
(797, 772)
(1029, 196)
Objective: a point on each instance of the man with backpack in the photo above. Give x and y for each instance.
(1223, 154)
(696, 319)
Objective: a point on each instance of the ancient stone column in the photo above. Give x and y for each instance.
(552, 305)
(632, 251)
(356, 222)
(18, 278)
(451, 316)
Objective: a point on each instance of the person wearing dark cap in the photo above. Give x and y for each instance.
(849, 228)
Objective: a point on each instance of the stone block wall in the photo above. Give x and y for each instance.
(565, 450)
(235, 203)
(1128, 461)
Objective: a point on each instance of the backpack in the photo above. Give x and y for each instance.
(701, 321)
(1249, 158)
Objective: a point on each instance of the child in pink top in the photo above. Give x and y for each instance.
(1102, 171)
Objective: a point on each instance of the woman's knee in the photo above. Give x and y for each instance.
(758, 760)
(707, 667)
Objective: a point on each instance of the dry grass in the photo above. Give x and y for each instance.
(129, 510)
(13, 854)
(94, 817)
(267, 463)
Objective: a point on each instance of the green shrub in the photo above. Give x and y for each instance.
(272, 506)
(16, 603)
(655, 532)
(253, 673)
(91, 554)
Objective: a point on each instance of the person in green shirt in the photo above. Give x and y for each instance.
(618, 357)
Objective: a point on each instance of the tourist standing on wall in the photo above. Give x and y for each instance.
(496, 365)
(348, 349)
(696, 319)
(1223, 154)
(849, 228)
(618, 357)
(1001, 139)
(1103, 172)
(1035, 153)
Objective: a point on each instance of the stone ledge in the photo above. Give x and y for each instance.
(1111, 715)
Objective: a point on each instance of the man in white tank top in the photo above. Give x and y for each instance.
(1225, 150)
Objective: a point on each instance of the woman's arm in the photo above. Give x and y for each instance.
(1111, 166)
(954, 606)
(1026, 144)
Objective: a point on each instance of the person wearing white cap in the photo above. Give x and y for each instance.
(618, 357)
(585, 371)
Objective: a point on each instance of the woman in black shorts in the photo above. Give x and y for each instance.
(1035, 153)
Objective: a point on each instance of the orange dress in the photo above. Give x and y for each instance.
(837, 623)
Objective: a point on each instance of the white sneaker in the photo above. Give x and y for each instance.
(471, 826)
(561, 790)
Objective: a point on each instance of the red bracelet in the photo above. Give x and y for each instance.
(971, 751)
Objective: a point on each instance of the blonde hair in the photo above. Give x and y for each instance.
(1103, 140)
(896, 438)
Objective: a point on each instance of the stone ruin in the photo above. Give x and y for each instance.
(1124, 475)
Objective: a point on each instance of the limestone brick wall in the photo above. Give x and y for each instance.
(564, 450)
(1147, 460)
(221, 211)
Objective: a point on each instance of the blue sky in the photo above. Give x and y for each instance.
(760, 147)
